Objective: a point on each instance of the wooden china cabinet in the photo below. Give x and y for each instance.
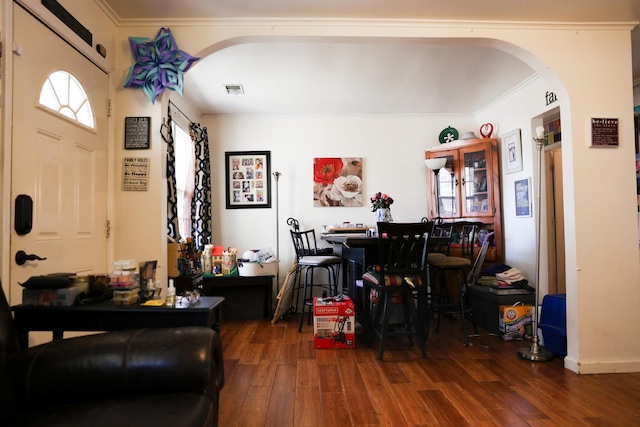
(469, 189)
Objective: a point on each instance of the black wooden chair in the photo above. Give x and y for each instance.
(401, 273)
(308, 260)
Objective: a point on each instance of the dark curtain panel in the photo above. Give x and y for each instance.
(166, 131)
(201, 203)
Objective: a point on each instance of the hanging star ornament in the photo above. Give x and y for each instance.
(159, 64)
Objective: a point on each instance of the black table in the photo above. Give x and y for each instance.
(107, 316)
(358, 252)
(246, 297)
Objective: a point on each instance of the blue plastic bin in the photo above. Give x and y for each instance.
(553, 323)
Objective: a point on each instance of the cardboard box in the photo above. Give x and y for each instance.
(63, 297)
(515, 321)
(173, 253)
(334, 323)
(486, 306)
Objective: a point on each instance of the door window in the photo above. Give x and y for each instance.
(64, 94)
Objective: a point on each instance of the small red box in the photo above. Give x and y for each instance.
(334, 322)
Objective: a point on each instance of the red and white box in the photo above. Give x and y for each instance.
(334, 322)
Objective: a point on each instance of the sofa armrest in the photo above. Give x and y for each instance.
(119, 364)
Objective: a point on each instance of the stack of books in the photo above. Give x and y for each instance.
(500, 287)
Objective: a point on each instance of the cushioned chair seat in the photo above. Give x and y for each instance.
(431, 256)
(319, 260)
(450, 261)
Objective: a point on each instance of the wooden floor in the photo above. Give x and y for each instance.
(275, 377)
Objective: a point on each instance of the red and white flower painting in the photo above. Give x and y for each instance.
(337, 181)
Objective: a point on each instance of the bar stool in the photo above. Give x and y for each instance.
(307, 262)
(440, 266)
(401, 273)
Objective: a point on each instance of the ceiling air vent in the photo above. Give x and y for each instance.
(234, 89)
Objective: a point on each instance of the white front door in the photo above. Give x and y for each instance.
(60, 164)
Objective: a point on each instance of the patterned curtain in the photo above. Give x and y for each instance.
(201, 203)
(166, 131)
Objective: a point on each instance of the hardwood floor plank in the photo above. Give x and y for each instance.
(415, 410)
(335, 410)
(464, 403)
(308, 373)
(255, 407)
(330, 380)
(419, 377)
(230, 407)
(284, 381)
(349, 373)
(264, 374)
(280, 411)
(373, 377)
(442, 409)
(360, 407)
(307, 409)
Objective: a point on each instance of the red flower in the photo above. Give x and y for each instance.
(380, 201)
(325, 170)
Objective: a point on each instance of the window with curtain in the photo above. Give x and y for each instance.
(188, 179)
(185, 177)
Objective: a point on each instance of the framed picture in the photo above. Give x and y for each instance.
(337, 181)
(523, 197)
(512, 151)
(248, 179)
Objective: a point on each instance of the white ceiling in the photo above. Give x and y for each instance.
(371, 77)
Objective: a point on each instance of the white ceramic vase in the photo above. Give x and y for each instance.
(383, 215)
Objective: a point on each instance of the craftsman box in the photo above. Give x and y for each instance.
(553, 323)
(515, 322)
(486, 306)
(334, 322)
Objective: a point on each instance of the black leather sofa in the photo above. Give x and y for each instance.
(148, 377)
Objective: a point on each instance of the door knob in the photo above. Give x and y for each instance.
(22, 257)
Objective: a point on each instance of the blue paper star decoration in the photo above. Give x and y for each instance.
(159, 64)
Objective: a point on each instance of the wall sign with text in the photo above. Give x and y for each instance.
(135, 174)
(137, 132)
(604, 132)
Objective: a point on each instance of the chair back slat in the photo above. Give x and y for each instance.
(402, 248)
(304, 243)
(467, 240)
(476, 270)
(440, 239)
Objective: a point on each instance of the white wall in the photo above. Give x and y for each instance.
(392, 149)
(516, 112)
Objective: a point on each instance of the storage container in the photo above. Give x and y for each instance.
(553, 323)
(486, 306)
(257, 268)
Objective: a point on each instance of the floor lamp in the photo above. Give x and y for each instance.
(435, 165)
(537, 352)
(277, 176)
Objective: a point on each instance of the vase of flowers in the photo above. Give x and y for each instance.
(381, 205)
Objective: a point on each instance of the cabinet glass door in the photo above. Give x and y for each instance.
(448, 188)
(475, 183)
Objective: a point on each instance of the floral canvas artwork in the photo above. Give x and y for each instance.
(337, 181)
